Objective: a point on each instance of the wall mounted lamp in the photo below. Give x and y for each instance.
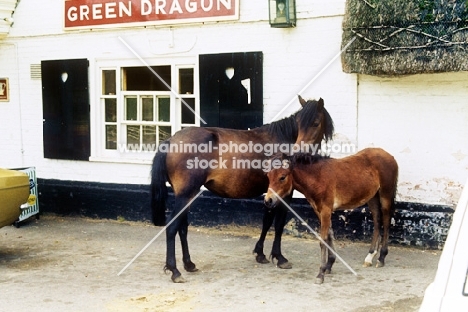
(282, 13)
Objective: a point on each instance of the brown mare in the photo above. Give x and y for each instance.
(187, 172)
(370, 176)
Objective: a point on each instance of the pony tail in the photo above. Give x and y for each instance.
(158, 188)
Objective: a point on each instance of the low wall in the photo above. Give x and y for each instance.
(413, 224)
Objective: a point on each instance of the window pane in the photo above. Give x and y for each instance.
(147, 103)
(141, 78)
(111, 137)
(149, 135)
(164, 133)
(188, 117)
(131, 109)
(133, 135)
(111, 110)
(164, 109)
(186, 81)
(108, 82)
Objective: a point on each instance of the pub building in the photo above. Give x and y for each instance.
(89, 89)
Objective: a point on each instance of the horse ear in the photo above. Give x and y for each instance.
(321, 103)
(301, 100)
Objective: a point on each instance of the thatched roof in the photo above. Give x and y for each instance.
(400, 37)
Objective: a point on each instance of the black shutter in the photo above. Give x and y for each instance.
(224, 101)
(65, 108)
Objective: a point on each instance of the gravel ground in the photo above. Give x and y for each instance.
(71, 264)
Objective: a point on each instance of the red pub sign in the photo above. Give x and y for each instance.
(105, 13)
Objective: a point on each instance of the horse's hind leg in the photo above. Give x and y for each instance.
(268, 217)
(171, 232)
(374, 207)
(189, 266)
(387, 212)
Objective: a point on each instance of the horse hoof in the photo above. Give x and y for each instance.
(261, 259)
(319, 280)
(178, 279)
(281, 262)
(379, 264)
(284, 265)
(367, 264)
(190, 267)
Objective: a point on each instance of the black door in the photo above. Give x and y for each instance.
(65, 108)
(231, 90)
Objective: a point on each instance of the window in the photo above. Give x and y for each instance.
(140, 107)
(147, 120)
(187, 101)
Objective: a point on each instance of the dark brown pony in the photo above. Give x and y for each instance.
(222, 172)
(370, 176)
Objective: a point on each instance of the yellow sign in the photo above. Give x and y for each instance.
(32, 200)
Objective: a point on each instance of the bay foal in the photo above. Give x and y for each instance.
(370, 176)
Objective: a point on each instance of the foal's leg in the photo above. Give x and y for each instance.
(325, 225)
(387, 213)
(268, 217)
(374, 207)
(189, 266)
(331, 255)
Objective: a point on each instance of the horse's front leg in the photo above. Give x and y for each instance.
(189, 266)
(325, 225)
(280, 222)
(331, 255)
(323, 264)
(268, 217)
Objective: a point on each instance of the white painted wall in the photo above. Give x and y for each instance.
(10, 112)
(423, 121)
(401, 114)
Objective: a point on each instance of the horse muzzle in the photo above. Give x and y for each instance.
(271, 201)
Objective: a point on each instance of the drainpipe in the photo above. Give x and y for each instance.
(15, 46)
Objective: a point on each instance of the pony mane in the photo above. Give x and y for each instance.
(306, 158)
(300, 158)
(287, 128)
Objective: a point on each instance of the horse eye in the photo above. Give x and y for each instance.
(282, 178)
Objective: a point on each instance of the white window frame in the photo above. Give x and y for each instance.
(99, 152)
